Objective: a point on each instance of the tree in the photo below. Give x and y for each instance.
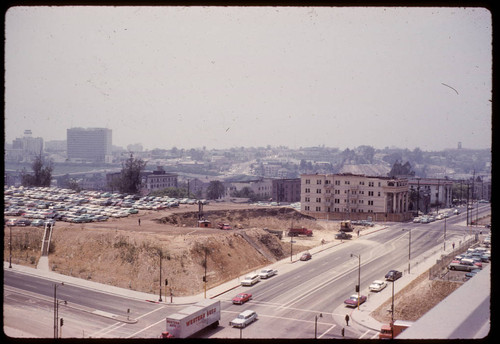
(42, 173)
(399, 169)
(215, 189)
(130, 177)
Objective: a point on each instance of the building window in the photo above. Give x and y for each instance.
(318, 182)
(337, 182)
(308, 181)
(318, 208)
(318, 191)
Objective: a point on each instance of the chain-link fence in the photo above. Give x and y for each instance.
(440, 269)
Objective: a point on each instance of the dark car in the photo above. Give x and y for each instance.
(23, 222)
(393, 275)
(306, 256)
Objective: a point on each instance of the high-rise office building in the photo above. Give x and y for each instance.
(89, 144)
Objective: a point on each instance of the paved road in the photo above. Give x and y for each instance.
(305, 298)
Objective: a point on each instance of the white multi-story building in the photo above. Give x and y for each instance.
(354, 197)
(89, 144)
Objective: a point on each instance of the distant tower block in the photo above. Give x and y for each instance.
(459, 145)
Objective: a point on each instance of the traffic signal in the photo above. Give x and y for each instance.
(204, 278)
(166, 281)
(62, 321)
(357, 288)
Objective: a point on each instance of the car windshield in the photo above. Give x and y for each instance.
(241, 316)
(354, 298)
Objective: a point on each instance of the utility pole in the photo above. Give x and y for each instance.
(205, 277)
(358, 287)
(160, 253)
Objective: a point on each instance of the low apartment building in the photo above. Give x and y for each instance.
(354, 197)
(158, 180)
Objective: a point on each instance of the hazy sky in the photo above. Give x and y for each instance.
(225, 77)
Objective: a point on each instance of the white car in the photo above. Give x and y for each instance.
(378, 285)
(250, 280)
(245, 318)
(265, 273)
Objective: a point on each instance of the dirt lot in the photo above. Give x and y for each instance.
(124, 253)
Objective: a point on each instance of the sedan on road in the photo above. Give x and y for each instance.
(352, 301)
(378, 285)
(306, 256)
(241, 298)
(244, 318)
(265, 273)
(393, 275)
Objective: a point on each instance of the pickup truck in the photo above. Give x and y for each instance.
(343, 235)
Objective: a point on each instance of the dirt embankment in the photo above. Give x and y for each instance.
(124, 253)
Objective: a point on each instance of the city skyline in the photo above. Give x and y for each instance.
(222, 77)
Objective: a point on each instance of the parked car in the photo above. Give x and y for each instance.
(23, 222)
(244, 318)
(12, 222)
(241, 298)
(305, 256)
(393, 275)
(265, 273)
(37, 223)
(377, 285)
(456, 211)
(352, 301)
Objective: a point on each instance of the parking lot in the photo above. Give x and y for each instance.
(37, 206)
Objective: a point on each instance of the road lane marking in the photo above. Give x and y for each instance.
(331, 327)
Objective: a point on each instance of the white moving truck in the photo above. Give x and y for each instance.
(193, 319)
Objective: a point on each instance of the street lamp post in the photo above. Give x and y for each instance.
(444, 243)
(56, 308)
(358, 287)
(316, 325)
(392, 311)
(409, 246)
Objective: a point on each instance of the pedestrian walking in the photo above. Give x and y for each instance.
(139, 221)
(347, 319)
(453, 245)
(342, 332)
